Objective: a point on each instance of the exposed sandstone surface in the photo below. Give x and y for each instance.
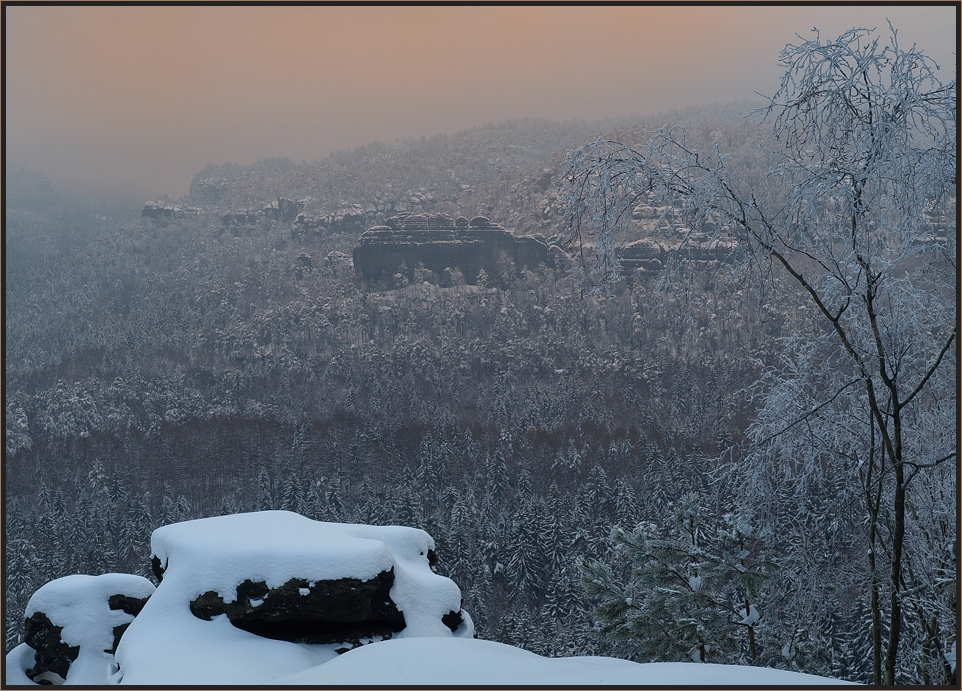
(431, 243)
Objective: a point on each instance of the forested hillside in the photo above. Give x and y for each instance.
(168, 370)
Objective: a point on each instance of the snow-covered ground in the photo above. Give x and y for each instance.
(169, 644)
(449, 662)
(459, 662)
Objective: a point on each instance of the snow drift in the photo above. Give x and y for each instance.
(439, 662)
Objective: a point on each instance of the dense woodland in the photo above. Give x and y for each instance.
(163, 371)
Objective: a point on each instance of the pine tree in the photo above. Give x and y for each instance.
(496, 477)
(265, 491)
(692, 595)
(626, 506)
(292, 494)
(334, 503)
(314, 500)
(525, 563)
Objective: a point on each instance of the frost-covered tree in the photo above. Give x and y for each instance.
(849, 211)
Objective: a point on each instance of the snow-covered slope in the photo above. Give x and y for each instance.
(460, 662)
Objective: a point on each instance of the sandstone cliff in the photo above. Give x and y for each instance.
(412, 247)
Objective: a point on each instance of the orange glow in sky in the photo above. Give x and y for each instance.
(142, 98)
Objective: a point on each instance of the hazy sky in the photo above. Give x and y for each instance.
(141, 98)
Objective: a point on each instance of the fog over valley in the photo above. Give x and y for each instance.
(139, 99)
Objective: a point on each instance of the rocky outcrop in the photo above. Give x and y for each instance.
(306, 590)
(346, 219)
(53, 657)
(164, 210)
(80, 616)
(240, 217)
(543, 183)
(281, 209)
(305, 260)
(650, 255)
(435, 242)
(646, 255)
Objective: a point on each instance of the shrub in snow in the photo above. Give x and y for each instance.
(73, 625)
(247, 597)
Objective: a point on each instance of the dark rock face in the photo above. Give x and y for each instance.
(118, 632)
(452, 620)
(52, 654)
(644, 254)
(305, 259)
(544, 180)
(161, 210)
(130, 605)
(281, 209)
(649, 255)
(157, 210)
(157, 568)
(438, 242)
(284, 210)
(240, 217)
(335, 611)
(347, 219)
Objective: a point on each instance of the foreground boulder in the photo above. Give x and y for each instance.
(272, 592)
(73, 626)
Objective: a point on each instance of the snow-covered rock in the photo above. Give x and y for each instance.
(278, 566)
(73, 625)
(160, 209)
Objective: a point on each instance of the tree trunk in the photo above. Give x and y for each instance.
(876, 615)
(874, 599)
(898, 539)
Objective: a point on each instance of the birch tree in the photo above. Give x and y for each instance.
(856, 214)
